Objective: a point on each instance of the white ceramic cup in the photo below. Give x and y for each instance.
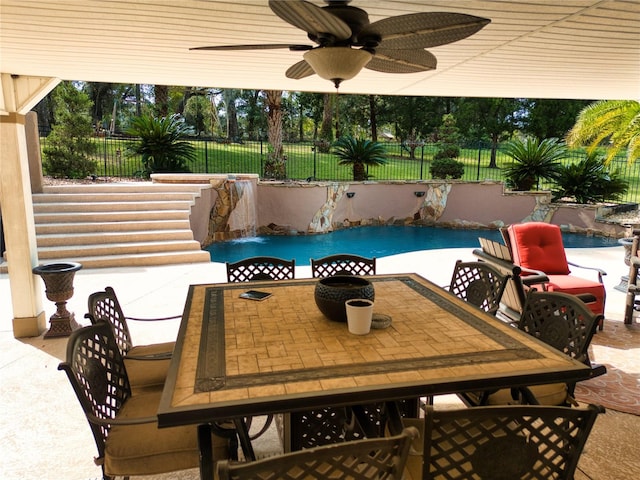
(359, 315)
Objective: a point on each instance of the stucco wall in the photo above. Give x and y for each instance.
(320, 207)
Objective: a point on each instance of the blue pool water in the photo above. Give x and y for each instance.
(370, 242)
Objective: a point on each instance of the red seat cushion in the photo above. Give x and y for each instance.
(575, 285)
(538, 246)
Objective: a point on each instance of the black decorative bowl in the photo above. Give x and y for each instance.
(332, 292)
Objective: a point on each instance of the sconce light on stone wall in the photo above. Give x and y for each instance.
(419, 194)
(350, 194)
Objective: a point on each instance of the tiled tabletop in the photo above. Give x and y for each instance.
(238, 357)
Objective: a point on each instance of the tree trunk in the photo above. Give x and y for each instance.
(373, 118)
(359, 174)
(161, 94)
(275, 166)
(326, 132)
(494, 149)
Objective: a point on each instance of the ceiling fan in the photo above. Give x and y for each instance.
(346, 41)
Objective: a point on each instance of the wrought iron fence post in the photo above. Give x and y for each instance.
(479, 158)
(206, 156)
(421, 160)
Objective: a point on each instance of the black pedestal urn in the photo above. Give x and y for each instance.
(331, 293)
(58, 282)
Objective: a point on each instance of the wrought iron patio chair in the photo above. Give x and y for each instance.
(146, 364)
(501, 443)
(342, 264)
(538, 246)
(479, 284)
(379, 458)
(564, 322)
(260, 268)
(632, 303)
(124, 425)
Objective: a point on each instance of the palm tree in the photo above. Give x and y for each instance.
(359, 152)
(615, 120)
(532, 160)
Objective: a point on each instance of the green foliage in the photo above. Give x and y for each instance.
(359, 152)
(447, 168)
(161, 144)
(589, 181)
(69, 145)
(448, 139)
(533, 160)
(614, 121)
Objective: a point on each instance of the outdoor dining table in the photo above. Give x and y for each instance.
(236, 358)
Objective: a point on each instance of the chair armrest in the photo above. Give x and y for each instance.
(597, 369)
(121, 421)
(533, 277)
(601, 272)
(153, 356)
(153, 319)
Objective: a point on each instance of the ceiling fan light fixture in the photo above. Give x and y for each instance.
(337, 63)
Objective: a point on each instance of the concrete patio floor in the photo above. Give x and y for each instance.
(43, 433)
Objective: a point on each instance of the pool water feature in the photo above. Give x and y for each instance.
(378, 241)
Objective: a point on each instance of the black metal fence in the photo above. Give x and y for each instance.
(309, 161)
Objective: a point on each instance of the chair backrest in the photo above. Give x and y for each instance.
(380, 458)
(506, 442)
(538, 246)
(562, 321)
(97, 374)
(499, 256)
(261, 268)
(478, 283)
(342, 264)
(104, 306)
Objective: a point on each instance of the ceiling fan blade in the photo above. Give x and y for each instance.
(295, 48)
(422, 30)
(402, 61)
(310, 18)
(300, 70)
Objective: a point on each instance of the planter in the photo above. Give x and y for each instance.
(626, 242)
(58, 281)
(331, 293)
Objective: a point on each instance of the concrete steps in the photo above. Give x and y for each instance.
(117, 225)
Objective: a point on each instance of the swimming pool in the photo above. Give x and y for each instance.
(370, 242)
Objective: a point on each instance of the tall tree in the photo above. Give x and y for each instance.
(551, 118)
(615, 121)
(496, 118)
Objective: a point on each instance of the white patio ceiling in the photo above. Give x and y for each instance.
(588, 49)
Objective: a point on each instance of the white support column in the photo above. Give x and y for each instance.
(18, 96)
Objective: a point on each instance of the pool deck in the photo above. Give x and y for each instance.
(42, 429)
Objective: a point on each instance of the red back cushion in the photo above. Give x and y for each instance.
(538, 245)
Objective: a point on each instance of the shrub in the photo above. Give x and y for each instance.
(161, 144)
(532, 160)
(359, 153)
(69, 145)
(447, 168)
(589, 181)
